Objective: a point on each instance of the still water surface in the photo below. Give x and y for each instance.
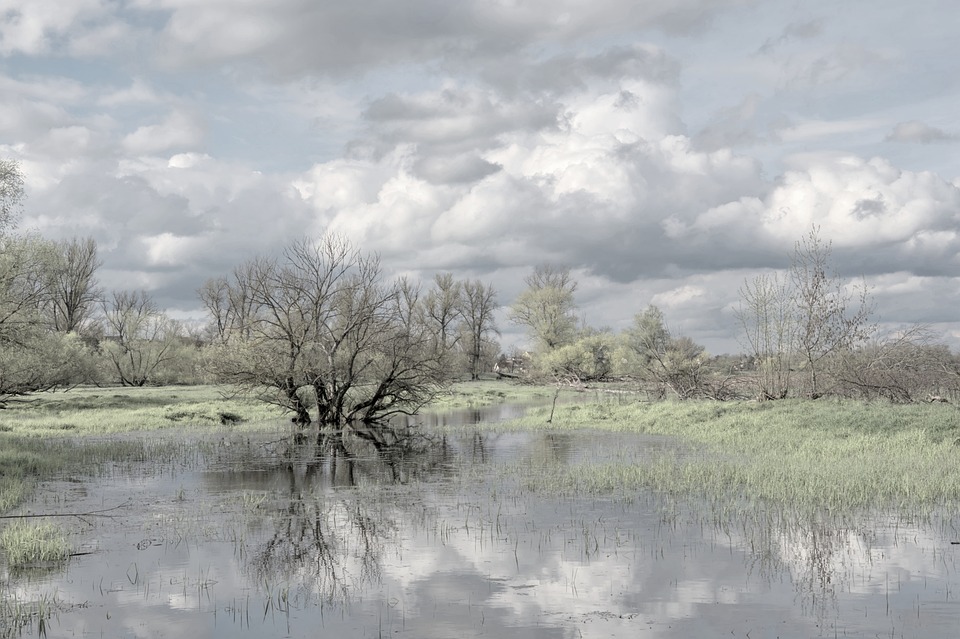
(256, 537)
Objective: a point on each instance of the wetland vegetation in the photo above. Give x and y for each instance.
(609, 518)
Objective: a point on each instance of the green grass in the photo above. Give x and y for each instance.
(27, 543)
(487, 392)
(828, 455)
(52, 432)
(115, 410)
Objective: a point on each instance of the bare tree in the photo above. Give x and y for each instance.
(139, 339)
(442, 310)
(72, 286)
(905, 366)
(547, 308)
(766, 316)
(323, 327)
(828, 317)
(479, 304)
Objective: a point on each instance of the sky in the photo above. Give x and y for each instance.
(663, 151)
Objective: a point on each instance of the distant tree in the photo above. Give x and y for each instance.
(72, 291)
(828, 317)
(767, 320)
(443, 311)
(589, 358)
(31, 358)
(677, 364)
(547, 308)
(139, 339)
(11, 193)
(324, 328)
(478, 305)
(908, 365)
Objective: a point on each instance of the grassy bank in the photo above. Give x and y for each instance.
(51, 432)
(828, 455)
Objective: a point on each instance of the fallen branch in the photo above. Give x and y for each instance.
(92, 513)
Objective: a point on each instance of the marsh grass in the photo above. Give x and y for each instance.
(29, 543)
(116, 410)
(487, 392)
(829, 455)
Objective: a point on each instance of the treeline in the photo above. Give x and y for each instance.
(321, 331)
(805, 333)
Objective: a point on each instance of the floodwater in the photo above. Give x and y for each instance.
(263, 537)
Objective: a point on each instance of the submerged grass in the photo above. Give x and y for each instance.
(832, 455)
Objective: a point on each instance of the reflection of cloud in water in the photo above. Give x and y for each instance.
(458, 548)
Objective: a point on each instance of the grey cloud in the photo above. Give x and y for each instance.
(805, 30)
(918, 132)
(454, 170)
(455, 119)
(734, 126)
(564, 73)
(292, 37)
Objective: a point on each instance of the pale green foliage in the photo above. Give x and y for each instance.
(547, 308)
(32, 359)
(11, 192)
(588, 358)
(677, 364)
(833, 456)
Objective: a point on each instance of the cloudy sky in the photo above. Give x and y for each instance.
(663, 151)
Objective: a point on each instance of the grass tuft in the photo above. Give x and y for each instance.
(29, 543)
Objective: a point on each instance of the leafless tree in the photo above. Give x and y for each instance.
(442, 310)
(72, 288)
(323, 327)
(479, 304)
(906, 366)
(829, 318)
(766, 316)
(139, 339)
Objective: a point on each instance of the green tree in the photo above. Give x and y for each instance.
(547, 307)
(677, 364)
(31, 358)
(11, 193)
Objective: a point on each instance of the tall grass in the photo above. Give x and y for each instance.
(26, 543)
(831, 455)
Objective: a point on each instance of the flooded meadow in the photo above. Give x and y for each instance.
(445, 535)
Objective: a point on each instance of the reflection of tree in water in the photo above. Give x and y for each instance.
(820, 557)
(338, 512)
